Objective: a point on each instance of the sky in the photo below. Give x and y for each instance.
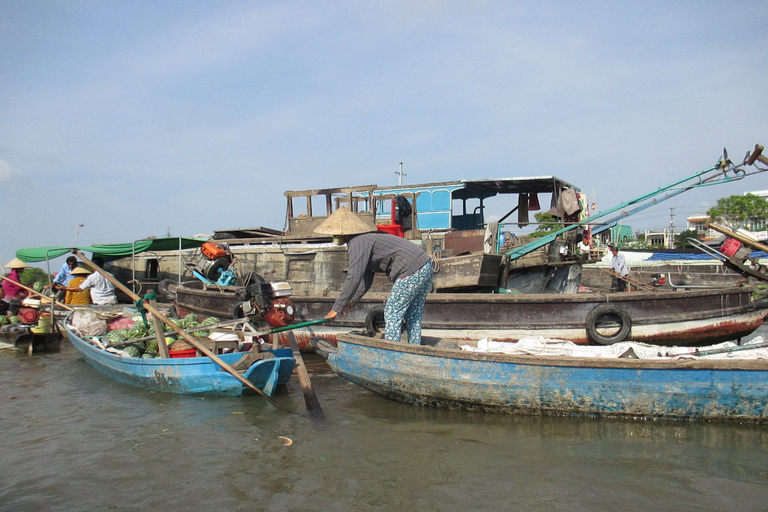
(124, 120)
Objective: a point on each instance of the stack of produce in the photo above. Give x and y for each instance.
(148, 349)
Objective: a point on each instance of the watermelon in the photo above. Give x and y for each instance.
(202, 334)
(211, 320)
(147, 355)
(132, 350)
(117, 336)
(152, 345)
(14, 320)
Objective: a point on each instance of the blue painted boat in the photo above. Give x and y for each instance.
(187, 375)
(439, 374)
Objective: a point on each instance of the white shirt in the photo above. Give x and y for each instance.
(102, 291)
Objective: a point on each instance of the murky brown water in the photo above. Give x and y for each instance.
(72, 439)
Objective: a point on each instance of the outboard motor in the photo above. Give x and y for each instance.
(266, 301)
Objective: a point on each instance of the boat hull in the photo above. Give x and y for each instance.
(188, 375)
(454, 379)
(683, 318)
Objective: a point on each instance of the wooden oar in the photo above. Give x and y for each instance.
(190, 339)
(310, 398)
(44, 297)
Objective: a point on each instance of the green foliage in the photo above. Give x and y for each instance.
(739, 211)
(548, 223)
(683, 240)
(34, 278)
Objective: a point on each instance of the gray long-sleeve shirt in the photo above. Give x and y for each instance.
(377, 252)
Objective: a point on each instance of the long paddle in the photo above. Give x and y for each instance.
(45, 297)
(190, 339)
(310, 398)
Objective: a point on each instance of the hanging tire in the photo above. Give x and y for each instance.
(167, 288)
(608, 324)
(374, 321)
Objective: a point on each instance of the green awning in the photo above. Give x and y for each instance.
(110, 252)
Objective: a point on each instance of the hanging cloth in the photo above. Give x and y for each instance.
(533, 202)
(522, 210)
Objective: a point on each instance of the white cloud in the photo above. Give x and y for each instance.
(7, 173)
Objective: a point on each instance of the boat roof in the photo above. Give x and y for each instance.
(110, 252)
(491, 187)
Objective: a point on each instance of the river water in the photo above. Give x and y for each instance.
(72, 439)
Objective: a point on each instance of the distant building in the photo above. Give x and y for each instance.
(698, 224)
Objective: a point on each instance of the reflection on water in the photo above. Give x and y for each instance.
(73, 439)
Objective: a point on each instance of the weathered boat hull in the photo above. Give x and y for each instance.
(188, 375)
(687, 318)
(22, 337)
(546, 385)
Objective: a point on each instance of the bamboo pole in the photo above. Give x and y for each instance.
(190, 339)
(45, 298)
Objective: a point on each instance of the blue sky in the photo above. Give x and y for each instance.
(146, 118)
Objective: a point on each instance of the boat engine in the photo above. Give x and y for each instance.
(265, 301)
(214, 265)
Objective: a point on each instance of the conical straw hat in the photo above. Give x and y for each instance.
(81, 270)
(344, 222)
(16, 263)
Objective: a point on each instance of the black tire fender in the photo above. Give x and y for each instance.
(374, 321)
(611, 313)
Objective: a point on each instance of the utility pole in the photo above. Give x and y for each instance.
(671, 244)
(401, 174)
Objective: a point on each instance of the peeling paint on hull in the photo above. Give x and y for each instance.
(423, 375)
(188, 375)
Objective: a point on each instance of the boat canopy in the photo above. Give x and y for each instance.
(110, 252)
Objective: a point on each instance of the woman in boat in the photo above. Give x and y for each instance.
(82, 298)
(12, 283)
(370, 251)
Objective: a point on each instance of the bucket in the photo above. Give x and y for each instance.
(43, 324)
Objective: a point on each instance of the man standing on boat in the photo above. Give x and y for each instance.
(102, 291)
(618, 266)
(65, 274)
(370, 251)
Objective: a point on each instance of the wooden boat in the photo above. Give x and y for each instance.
(692, 318)
(23, 337)
(439, 374)
(186, 375)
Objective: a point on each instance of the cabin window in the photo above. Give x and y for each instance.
(152, 268)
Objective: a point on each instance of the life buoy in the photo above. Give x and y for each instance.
(608, 324)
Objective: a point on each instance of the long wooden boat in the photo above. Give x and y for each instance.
(689, 318)
(187, 375)
(439, 374)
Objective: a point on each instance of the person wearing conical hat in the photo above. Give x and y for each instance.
(82, 298)
(370, 251)
(11, 285)
(102, 291)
